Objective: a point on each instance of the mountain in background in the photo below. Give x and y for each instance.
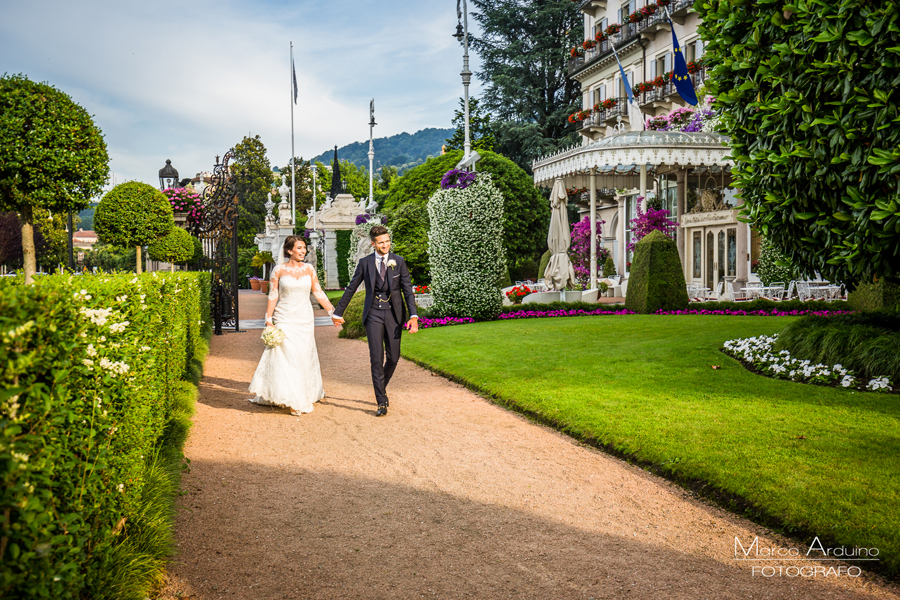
(403, 150)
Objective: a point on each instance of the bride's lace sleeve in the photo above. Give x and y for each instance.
(317, 290)
(273, 283)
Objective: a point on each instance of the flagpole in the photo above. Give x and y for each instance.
(293, 192)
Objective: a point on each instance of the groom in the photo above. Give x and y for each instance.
(387, 285)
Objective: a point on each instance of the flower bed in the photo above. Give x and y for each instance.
(99, 375)
(758, 354)
(426, 322)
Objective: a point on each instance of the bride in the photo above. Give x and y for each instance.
(288, 375)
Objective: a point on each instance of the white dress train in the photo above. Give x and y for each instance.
(289, 375)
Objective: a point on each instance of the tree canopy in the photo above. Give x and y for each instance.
(524, 68)
(52, 155)
(175, 247)
(254, 181)
(810, 94)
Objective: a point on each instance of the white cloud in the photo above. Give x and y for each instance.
(186, 81)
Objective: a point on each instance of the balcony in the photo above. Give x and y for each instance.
(592, 7)
(628, 32)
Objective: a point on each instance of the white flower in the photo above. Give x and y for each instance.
(115, 368)
(97, 316)
(121, 299)
(121, 487)
(91, 351)
(119, 327)
(392, 263)
(847, 381)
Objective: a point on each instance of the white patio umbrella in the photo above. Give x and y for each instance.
(559, 271)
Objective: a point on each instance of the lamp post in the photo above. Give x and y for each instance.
(371, 149)
(462, 35)
(168, 176)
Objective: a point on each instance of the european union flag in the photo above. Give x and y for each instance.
(680, 76)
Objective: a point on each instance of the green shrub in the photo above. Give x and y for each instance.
(657, 279)
(525, 218)
(176, 247)
(94, 408)
(609, 267)
(545, 260)
(875, 296)
(353, 318)
(866, 343)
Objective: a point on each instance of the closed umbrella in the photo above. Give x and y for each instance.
(559, 271)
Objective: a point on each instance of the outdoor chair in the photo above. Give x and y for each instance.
(776, 291)
(803, 291)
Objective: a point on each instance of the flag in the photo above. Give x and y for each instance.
(680, 76)
(372, 111)
(294, 74)
(635, 116)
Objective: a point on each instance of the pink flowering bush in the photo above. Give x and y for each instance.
(580, 250)
(652, 220)
(186, 200)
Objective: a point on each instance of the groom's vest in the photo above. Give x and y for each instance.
(381, 291)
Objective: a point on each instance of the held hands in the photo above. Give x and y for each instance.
(413, 325)
(338, 321)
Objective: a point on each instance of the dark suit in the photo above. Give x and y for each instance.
(384, 314)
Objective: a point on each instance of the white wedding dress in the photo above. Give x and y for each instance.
(288, 375)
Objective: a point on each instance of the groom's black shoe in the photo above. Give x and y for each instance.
(382, 410)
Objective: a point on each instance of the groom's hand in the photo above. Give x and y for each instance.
(413, 325)
(337, 320)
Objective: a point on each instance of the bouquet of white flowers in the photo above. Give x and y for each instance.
(272, 336)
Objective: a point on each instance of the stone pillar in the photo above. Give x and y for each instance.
(331, 272)
(681, 200)
(620, 237)
(743, 255)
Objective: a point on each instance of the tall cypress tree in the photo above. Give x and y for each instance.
(524, 60)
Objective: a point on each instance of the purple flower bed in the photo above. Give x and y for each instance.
(757, 313)
(540, 314)
(425, 322)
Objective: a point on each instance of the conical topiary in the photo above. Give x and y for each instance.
(657, 279)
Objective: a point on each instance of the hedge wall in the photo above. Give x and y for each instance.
(98, 385)
(342, 246)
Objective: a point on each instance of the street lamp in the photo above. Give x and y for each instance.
(462, 36)
(168, 176)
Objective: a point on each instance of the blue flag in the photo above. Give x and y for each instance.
(628, 91)
(680, 76)
(294, 73)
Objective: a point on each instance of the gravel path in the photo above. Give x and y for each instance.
(449, 496)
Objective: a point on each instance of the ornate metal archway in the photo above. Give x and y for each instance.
(218, 233)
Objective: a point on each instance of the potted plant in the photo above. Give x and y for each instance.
(516, 294)
(588, 44)
(254, 283)
(612, 29)
(264, 286)
(263, 259)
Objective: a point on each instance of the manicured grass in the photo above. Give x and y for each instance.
(334, 295)
(817, 460)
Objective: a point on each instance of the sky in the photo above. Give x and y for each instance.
(186, 81)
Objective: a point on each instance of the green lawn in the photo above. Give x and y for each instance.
(818, 460)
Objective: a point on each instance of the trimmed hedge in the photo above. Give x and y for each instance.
(98, 385)
(176, 247)
(657, 279)
(875, 296)
(353, 327)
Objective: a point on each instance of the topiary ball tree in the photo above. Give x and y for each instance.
(133, 214)
(810, 95)
(177, 246)
(657, 279)
(52, 156)
(466, 250)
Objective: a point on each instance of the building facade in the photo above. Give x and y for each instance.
(716, 249)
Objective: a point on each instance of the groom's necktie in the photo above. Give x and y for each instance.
(381, 268)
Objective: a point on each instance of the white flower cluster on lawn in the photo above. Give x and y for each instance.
(759, 353)
(465, 248)
(359, 233)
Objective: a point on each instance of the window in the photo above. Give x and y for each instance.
(731, 271)
(693, 50)
(630, 213)
(630, 75)
(601, 25)
(755, 249)
(698, 254)
(663, 63)
(599, 93)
